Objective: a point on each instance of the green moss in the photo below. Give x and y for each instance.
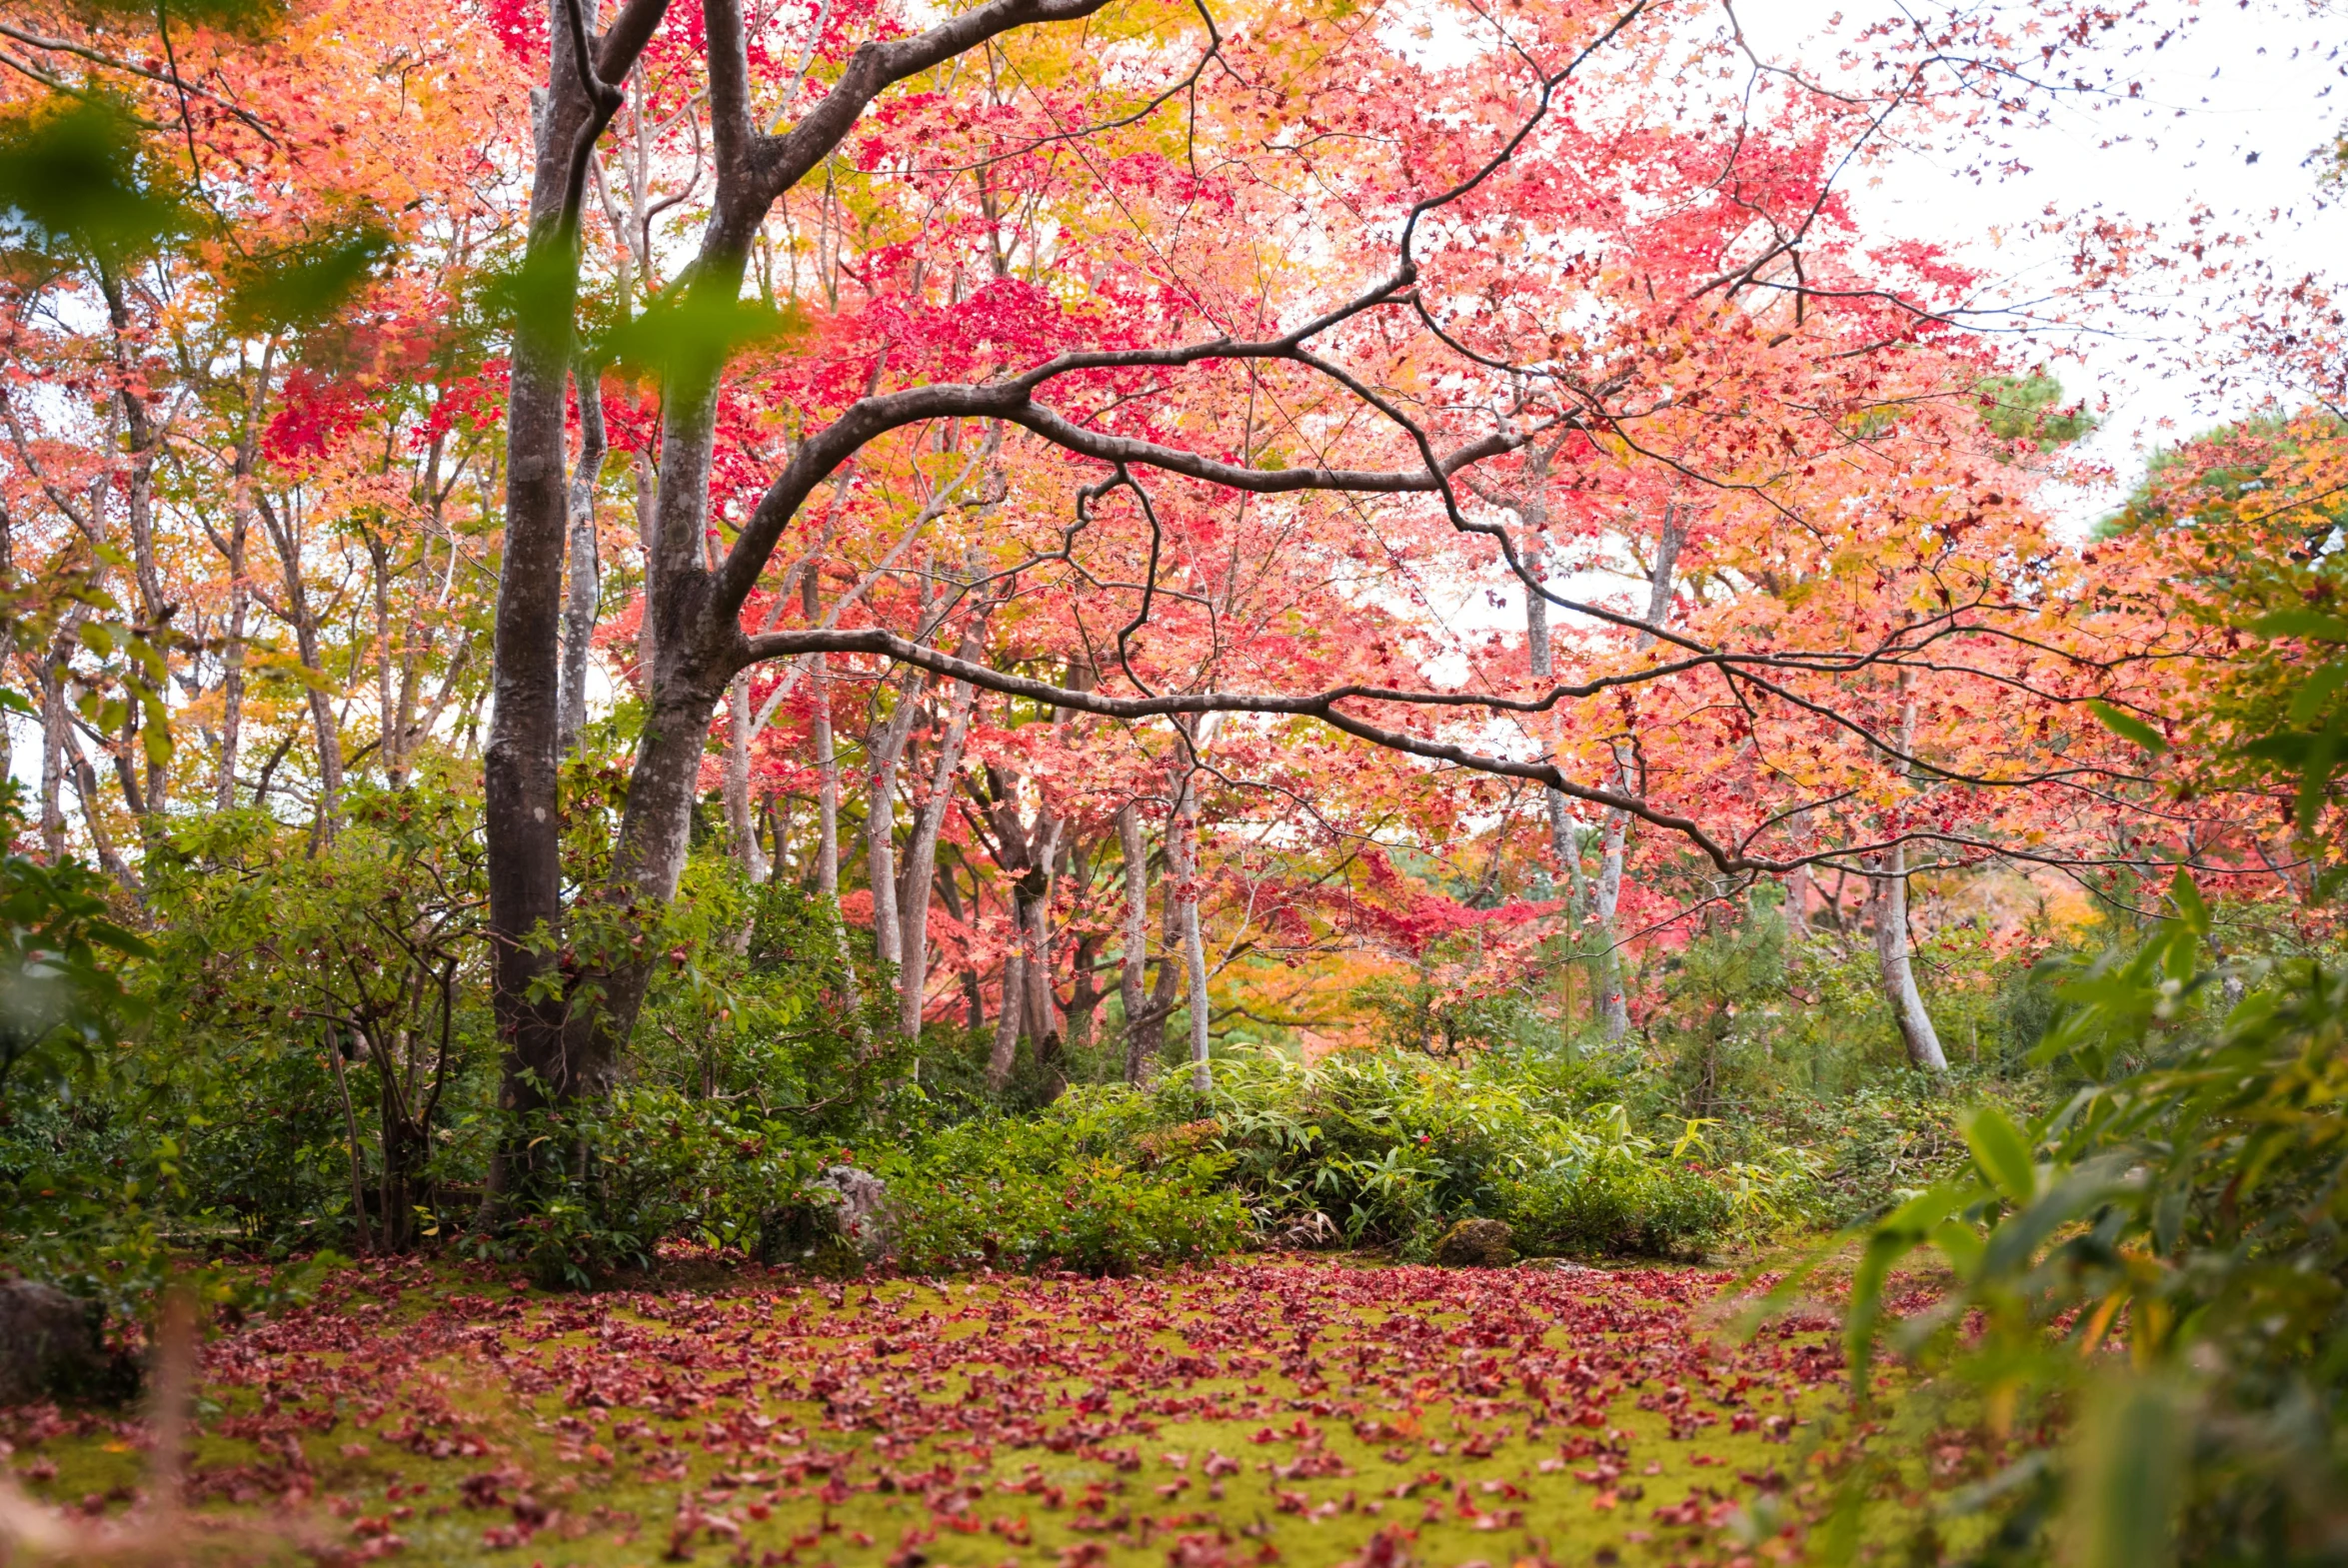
(1317, 1453)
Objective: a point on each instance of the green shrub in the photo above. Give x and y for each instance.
(1619, 1206)
(648, 1165)
(2186, 1202)
(1047, 1192)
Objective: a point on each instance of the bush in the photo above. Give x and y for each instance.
(1630, 1207)
(649, 1165)
(1047, 1192)
(1395, 1147)
(2185, 1202)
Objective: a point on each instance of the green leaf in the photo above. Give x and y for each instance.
(301, 284)
(692, 333)
(2001, 1152)
(2311, 696)
(2128, 727)
(2315, 774)
(2302, 623)
(73, 178)
(2192, 911)
(2128, 1475)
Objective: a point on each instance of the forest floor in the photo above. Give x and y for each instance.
(1292, 1410)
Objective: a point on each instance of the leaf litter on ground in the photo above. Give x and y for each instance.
(1268, 1411)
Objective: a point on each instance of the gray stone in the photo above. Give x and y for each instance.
(48, 1343)
(1476, 1243)
(841, 1226)
(1559, 1265)
(858, 1201)
(1312, 1231)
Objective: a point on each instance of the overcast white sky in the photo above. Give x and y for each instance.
(2230, 112)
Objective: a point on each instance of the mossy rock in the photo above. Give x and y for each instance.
(1476, 1243)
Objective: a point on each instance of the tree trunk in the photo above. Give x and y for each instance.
(739, 829)
(1084, 991)
(1007, 1022)
(1182, 843)
(53, 743)
(583, 572)
(1141, 1048)
(518, 764)
(240, 593)
(285, 536)
(883, 746)
(1613, 1006)
(1889, 894)
(921, 859)
(828, 779)
(142, 441)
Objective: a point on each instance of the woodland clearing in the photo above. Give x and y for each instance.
(1275, 1410)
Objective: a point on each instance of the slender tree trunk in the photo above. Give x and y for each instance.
(142, 441)
(921, 859)
(1141, 1048)
(583, 572)
(1181, 842)
(883, 746)
(1041, 1007)
(53, 743)
(648, 527)
(1007, 1022)
(285, 534)
(826, 780)
(1888, 893)
(239, 588)
(739, 828)
(232, 673)
(1613, 1006)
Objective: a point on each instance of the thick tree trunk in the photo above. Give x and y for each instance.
(1084, 991)
(544, 1062)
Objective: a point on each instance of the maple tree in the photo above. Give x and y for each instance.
(1015, 461)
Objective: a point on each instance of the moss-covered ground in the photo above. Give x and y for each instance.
(1296, 1411)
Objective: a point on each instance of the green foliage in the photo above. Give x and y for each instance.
(305, 284)
(646, 1165)
(323, 1033)
(1393, 1147)
(61, 997)
(1620, 1206)
(2030, 409)
(2185, 1203)
(77, 175)
(1072, 1188)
